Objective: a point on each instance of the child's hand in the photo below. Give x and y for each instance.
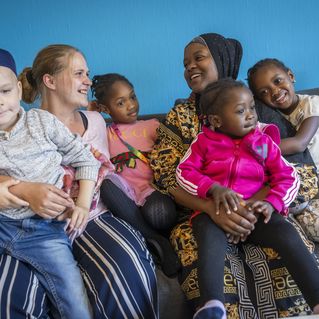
(224, 196)
(264, 208)
(79, 218)
(8, 200)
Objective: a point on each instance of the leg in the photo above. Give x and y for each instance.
(21, 294)
(212, 244)
(44, 245)
(159, 211)
(123, 207)
(282, 236)
(117, 269)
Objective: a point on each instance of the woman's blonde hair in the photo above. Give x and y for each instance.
(50, 60)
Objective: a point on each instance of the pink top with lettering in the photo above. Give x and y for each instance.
(141, 135)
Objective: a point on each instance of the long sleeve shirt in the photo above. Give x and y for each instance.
(35, 150)
(243, 165)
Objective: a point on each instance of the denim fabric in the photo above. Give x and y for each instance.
(44, 245)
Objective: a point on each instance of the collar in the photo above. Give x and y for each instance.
(4, 135)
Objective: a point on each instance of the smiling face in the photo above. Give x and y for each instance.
(274, 86)
(10, 95)
(122, 104)
(73, 83)
(237, 116)
(200, 67)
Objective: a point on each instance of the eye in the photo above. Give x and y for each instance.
(133, 97)
(120, 103)
(240, 111)
(263, 92)
(6, 91)
(277, 80)
(199, 57)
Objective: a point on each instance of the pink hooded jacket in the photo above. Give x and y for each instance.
(243, 165)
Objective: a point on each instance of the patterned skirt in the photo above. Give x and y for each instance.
(256, 283)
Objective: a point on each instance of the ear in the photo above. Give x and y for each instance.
(104, 108)
(49, 81)
(214, 120)
(291, 76)
(19, 84)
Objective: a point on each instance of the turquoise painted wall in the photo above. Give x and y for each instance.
(144, 39)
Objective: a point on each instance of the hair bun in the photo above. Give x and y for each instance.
(30, 78)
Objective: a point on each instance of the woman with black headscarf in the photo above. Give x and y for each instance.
(249, 271)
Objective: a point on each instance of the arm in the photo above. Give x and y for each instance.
(237, 223)
(7, 199)
(74, 152)
(45, 200)
(168, 150)
(189, 172)
(301, 140)
(191, 178)
(81, 210)
(284, 181)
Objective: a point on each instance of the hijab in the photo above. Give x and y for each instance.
(226, 52)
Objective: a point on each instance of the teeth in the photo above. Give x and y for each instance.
(280, 98)
(83, 91)
(194, 76)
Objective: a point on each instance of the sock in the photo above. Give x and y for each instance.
(213, 309)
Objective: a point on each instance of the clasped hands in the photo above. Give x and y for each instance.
(235, 215)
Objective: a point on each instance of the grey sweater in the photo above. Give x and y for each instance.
(35, 150)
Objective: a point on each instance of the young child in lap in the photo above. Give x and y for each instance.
(272, 82)
(34, 146)
(229, 161)
(130, 141)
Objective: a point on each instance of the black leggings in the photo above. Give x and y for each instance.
(278, 234)
(158, 212)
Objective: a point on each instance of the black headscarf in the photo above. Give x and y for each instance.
(227, 53)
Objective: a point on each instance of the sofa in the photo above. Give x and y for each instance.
(172, 302)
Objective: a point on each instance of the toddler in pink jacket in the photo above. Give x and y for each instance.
(231, 160)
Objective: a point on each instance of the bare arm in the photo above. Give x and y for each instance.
(45, 200)
(300, 141)
(236, 223)
(80, 212)
(7, 199)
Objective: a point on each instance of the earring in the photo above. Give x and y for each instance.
(294, 81)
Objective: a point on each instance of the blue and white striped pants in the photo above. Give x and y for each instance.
(116, 266)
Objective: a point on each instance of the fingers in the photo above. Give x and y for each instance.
(267, 217)
(62, 197)
(16, 202)
(10, 182)
(66, 214)
(78, 218)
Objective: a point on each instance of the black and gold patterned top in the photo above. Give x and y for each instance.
(175, 135)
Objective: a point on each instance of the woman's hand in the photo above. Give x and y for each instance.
(7, 199)
(239, 223)
(45, 200)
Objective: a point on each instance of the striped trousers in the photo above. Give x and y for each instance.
(117, 269)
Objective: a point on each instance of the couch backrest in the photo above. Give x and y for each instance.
(161, 116)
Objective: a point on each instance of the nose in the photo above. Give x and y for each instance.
(191, 65)
(250, 114)
(88, 81)
(274, 91)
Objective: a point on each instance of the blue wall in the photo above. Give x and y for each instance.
(144, 39)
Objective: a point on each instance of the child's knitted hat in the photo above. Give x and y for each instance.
(6, 60)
